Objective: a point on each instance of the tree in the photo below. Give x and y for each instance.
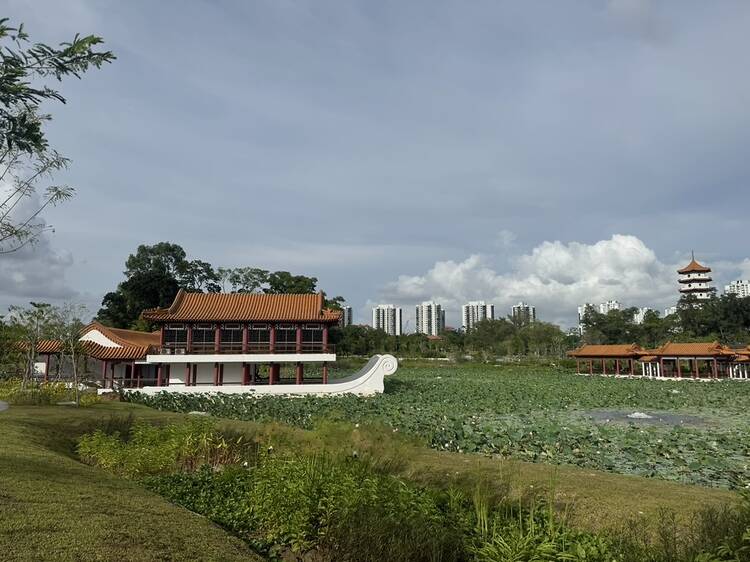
(285, 282)
(25, 156)
(153, 276)
(31, 325)
(68, 323)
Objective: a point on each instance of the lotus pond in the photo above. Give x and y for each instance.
(693, 432)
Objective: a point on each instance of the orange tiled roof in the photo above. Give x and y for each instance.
(694, 267)
(125, 337)
(48, 346)
(243, 307)
(615, 350)
(670, 349)
(105, 353)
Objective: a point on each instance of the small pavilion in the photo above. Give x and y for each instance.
(703, 360)
(619, 358)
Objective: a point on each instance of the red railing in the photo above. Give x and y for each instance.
(253, 348)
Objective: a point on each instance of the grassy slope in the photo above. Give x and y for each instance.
(55, 508)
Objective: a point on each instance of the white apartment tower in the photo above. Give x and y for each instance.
(605, 307)
(523, 314)
(640, 315)
(476, 311)
(740, 288)
(430, 318)
(346, 316)
(387, 317)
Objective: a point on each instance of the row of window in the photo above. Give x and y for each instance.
(240, 326)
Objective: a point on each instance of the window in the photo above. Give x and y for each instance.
(203, 337)
(175, 335)
(231, 337)
(260, 337)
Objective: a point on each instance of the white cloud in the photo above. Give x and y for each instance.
(555, 277)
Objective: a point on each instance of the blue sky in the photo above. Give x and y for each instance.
(399, 151)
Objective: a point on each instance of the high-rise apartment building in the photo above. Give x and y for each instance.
(605, 307)
(430, 318)
(739, 288)
(387, 317)
(523, 313)
(476, 311)
(346, 316)
(640, 314)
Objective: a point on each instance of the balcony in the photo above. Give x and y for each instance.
(252, 348)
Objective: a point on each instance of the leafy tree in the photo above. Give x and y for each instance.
(285, 282)
(31, 325)
(26, 72)
(153, 276)
(68, 323)
(243, 279)
(490, 336)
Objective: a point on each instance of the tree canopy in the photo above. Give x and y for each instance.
(154, 274)
(28, 72)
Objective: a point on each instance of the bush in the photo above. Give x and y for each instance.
(35, 394)
(147, 449)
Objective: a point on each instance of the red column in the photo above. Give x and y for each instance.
(298, 373)
(221, 374)
(604, 367)
(46, 369)
(272, 338)
(325, 339)
(104, 374)
(695, 368)
(159, 374)
(679, 368)
(112, 374)
(216, 374)
(217, 339)
(617, 366)
(167, 374)
(591, 366)
(632, 367)
(194, 382)
(271, 372)
(187, 374)
(189, 343)
(245, 338)
(715, 369)
(325, 373)
(299, 338)
(245, 373)
(661, 367)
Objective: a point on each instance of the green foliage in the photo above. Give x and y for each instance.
(154, 450)
(14, 392)
(23, 66)
(154, 275)
(725, 318)
(536, 414)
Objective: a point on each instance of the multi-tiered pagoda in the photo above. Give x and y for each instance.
(695, 279)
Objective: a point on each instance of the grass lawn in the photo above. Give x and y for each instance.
(54, 508)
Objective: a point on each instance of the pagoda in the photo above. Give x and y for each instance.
(695, 279)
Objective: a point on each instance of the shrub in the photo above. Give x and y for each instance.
(148, 449)
(35, 394)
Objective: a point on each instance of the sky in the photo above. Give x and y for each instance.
(552, 152)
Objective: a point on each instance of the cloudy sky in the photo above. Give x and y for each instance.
(555, 152)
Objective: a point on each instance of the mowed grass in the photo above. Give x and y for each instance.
(52, 507)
